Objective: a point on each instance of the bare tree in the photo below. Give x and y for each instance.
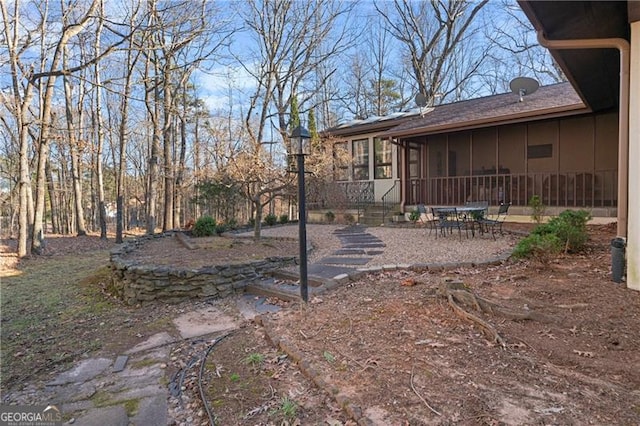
(292, 38)
(22, 97)
(182, 36)
(430, 33)
(99, 129)
(516, 51)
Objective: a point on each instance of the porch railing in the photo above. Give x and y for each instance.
(566, 189)
(390, 199)
(341, 195)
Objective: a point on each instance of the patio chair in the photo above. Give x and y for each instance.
(426, 217)
(474, 218)
(446, 219)
(496, 222)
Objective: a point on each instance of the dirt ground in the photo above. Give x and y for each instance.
(391, 345)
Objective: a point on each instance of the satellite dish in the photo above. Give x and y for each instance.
(523, 86)
(421, 100)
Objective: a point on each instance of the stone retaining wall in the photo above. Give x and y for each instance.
(135, 282)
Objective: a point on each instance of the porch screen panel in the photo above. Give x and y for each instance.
(382, 158)
(606, 159)
(576, 144)
(459, 154)
(512, 151)
(484, 152)
(512, 148)
(361, 159)
(484, 185)
(437, 156)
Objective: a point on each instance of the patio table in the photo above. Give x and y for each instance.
(468, 214)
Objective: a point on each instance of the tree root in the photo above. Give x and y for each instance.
(457, 294)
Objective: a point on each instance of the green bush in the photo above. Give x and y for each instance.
(566, 232)
(349, 218)
(222, 227)
(284, 219)
(537, 209)
(330, 216)
(204, 227)
(271, 219)
(537, 246)
(252, 222)
(414, 215)
(231, 223)
(570, 227)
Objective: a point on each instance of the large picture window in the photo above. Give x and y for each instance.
(340, 161)
(382, 158)
(361, 159)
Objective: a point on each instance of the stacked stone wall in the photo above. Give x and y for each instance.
(135, 282)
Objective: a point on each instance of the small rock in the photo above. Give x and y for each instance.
(163, 366)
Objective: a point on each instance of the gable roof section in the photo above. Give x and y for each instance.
(547, 102)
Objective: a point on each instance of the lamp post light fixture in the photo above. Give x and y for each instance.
(299, 145)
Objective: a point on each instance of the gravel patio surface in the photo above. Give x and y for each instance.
(415, 245)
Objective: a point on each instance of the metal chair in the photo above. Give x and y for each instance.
(497, 221)
(446, 219)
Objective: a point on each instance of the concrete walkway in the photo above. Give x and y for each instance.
(134, 388)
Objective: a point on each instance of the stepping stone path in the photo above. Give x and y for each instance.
(131, 388)
(355, 242)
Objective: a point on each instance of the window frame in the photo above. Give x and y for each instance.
(360, 168)
(382, 148)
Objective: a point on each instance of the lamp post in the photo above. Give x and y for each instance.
(299, 146)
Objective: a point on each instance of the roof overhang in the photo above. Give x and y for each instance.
(493, 121)
(594, 73)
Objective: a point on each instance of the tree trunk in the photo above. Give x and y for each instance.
(74, 151)
(22, 109)
(53, 200)
(102, 214)
(167, 133)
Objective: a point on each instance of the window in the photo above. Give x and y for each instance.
(361, 159)
(382, 158)
(540, 151)
(340, 161)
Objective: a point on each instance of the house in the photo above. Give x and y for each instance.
(575, 144)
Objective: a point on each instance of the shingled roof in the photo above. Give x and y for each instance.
(547, 102)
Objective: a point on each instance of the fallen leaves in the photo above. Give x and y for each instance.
(409, 282)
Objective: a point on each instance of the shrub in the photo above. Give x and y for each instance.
(537, 209)
(204, 227)
(330, 216)
(570, 227)
(252, 222)
(349, 218)
(537, 246)
(414, 215)
(231, 224)
(284, 219)
(271, 219)
(566, 232)
(221, 227)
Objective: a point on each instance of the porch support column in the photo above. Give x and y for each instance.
(633, 235)
(402, 174)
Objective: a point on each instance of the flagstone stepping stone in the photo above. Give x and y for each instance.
(343, 252)
(364, 245)
(345, 260)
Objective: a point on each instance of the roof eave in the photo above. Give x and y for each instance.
(494, 121)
